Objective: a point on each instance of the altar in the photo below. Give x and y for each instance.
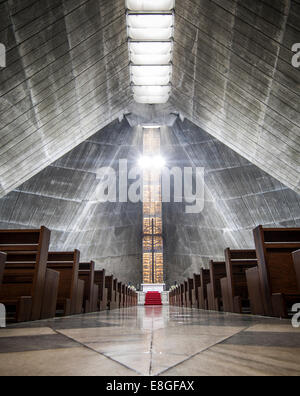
(155, 287)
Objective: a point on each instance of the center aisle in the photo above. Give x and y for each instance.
(152, 341)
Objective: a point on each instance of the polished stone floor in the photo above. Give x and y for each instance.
(152, 341)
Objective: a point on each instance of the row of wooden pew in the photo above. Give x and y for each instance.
(38, 284)
(264, 281)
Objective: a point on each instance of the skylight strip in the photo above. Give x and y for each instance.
(150, 5)
(150, 27)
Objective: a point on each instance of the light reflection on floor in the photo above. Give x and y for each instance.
(152, 341)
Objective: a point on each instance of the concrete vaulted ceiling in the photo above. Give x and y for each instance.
(67, 77)
(233, 76)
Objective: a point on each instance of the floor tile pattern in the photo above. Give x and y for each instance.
(152, 341)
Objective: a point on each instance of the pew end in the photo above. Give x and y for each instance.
(296, 259)
(24, 309)
(95, 295)
(50, 294)
(18, 310)
(255, 294)
(274, 248)
(238, 305)
(214, 292)
(210, 298)
(237, 262)
(103, 303)
(202, 290)
(202, 300)
(102, 290)
(21, 282)
(91, 290)
(282, 305)
(225, 295)
(2, 265)
(79, 297)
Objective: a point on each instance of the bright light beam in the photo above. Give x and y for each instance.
(157, 162)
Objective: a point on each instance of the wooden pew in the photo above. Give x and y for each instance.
(178, 296)
(120, 291)
(129, 293)
(185, 291)
(91, 290)
(109, 284)
(196, 285)
(124, 297)
(202, 289)
(173, 297)
(100, 282)
(22, 289)
(274, 248)
(135, 298)
(296, 259)
(255, 291)
(116, 294)
(71, 288)
(50, 295)
(234, 287)
(180, 293)
(129, 296)
(2, 265)
(182, 298)
(189, 296)
(19, 269)
(214, 292)
(185, 295)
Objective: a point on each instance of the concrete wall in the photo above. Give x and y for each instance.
(62, 197)
(238, 197)
(66, 78)
(233, 77)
